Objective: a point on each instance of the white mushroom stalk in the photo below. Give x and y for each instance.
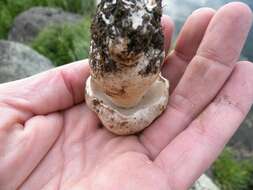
(126, 89)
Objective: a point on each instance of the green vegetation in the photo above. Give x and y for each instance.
(9, 9)
(64, 43)
(232, 174)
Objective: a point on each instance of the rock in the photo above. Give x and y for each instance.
(29, 23)
(204, 183)
(243, 138)
(18, 61)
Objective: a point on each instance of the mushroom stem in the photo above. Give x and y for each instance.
(126, 57)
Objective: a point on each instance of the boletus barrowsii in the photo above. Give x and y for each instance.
(126, 89)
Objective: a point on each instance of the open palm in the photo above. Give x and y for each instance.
(49, 139)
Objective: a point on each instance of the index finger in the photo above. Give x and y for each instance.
(48, 92)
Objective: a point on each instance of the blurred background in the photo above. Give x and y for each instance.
(36, 35)
(179, 10)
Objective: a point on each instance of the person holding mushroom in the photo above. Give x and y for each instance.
(50, 139)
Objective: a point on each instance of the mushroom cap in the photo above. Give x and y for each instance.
(122, 121)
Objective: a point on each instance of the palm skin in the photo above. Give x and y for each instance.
(49, 139)
(86, 156)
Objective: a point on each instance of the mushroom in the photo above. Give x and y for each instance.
(126, 89)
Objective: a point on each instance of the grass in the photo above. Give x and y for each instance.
(64, 43)
(232, 174)
(9, 9)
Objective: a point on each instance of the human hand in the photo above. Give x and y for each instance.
(49, 139)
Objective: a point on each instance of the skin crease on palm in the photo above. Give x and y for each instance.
(50, 140)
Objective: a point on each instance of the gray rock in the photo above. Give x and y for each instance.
(204, 183)
(18, 61)
(243, 138)
(29, 23)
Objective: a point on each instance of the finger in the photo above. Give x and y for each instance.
(187, 44)
(193, 151)
(168, 28)
(47, 92)
(204, 76)
(23, 147)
